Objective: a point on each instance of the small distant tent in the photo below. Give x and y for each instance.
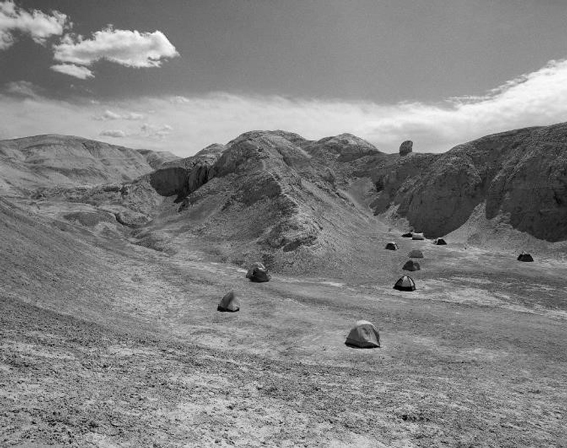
(407, 235)
(417, 236)
(411, 265)
(363, 335)
(392, 246)
(440, 242)
(525, 257)
(405, 283)
(416, 253)
(258, 273)
(229, 303)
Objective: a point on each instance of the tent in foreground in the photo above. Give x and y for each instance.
(229, 303)
(391, 246)
(411, 265)
(525, 257)
(440, 242)
(363, 335)
(405, 283)
(258, 273)
(416, 253)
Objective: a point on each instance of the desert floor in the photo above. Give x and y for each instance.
(108, 344)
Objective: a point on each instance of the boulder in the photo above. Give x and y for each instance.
(406, 148)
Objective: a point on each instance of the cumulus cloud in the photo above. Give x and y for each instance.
(110, 115)
(531, 99)
(115, 133)
(74, 53)
(538, 98)
(124, 47)
(38, 25)
(73, 70)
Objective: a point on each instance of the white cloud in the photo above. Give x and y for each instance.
(155, 131)
(538, 98)
(124, 47)
(116, 133)
(73, 70)
(38, 25)
(110, 115)
(532, 99)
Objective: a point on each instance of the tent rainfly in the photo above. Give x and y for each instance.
(405, 283)
(363, 335)
(392, 246)
(229, 303)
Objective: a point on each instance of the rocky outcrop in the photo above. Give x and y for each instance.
(182, 177)
(342, 148)
(520, 175)
(406, 148)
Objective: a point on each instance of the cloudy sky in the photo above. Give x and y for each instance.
(178, 75)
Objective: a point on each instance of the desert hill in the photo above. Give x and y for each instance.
(110, 335)
(297, 204)
(506, 190)
(263, 197)
(519, 177)
(50, 160)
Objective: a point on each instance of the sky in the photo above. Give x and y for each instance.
(178, 75)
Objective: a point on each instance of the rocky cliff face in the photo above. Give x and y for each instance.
(520, 175)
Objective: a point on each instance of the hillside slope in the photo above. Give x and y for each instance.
(264, 197)
(49, 160)
(519, 176)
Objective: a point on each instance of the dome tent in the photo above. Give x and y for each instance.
(525, 257)
(417, 236)
(391, 246)
(229, 303)
(440, 242)
(416, 253)
(411, 265)
(405, 283)
(258, 273)
(363, 335)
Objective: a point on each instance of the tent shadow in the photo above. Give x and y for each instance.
(361, 348)
(224, 310)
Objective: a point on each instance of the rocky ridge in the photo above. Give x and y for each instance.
(519, 175)
(287, 201)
